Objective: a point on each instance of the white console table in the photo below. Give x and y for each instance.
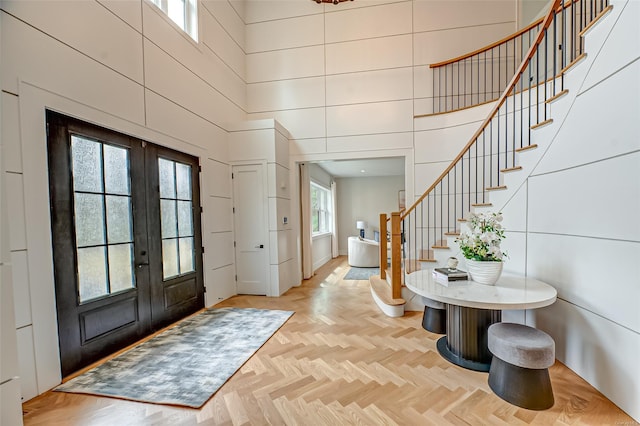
(473, 307)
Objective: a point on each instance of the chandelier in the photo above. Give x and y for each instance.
(330, 1)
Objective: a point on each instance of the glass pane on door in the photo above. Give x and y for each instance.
(176, 217)
(103, 218)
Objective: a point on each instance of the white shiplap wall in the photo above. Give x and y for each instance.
(125, 66)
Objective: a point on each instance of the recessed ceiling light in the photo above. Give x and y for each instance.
(362, 171)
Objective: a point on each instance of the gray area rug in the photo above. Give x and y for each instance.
(361, 273)
(186, 364)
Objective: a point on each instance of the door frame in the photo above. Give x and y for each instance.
(271, 291)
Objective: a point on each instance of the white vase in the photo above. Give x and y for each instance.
(484, 272)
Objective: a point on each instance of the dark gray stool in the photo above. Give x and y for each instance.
(435, 316)
(519, 368)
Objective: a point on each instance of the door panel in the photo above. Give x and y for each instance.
(250, 231)
(106, 241)
(177, 285)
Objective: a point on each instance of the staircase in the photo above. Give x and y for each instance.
(498, 158)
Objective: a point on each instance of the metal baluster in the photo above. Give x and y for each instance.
(545, 74)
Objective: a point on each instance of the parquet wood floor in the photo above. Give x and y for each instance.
(340, 361)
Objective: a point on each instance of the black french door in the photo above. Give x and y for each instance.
(127, 244)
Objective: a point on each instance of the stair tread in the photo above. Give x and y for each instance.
(527, 147)
(557, 96)
(383, 290)
(453, 234)
(542, 123)
(496, 188)
(440, 247)
(428, 260)
(481, 205)
(511, 169)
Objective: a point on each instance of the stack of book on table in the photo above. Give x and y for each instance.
(445, 276)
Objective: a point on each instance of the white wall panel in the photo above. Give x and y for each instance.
(605, 184)
(260, 11)
(307, 146)
(613, 372)
(284, 64)
(368, 55)
(281, 240)
(274, 35)
(121, 50)
(224, 46)
(321, 250)
(12, 156)
(443, 144)
(169, 78)
(129, 11)
(21, 293)
(251, 145)
(227, 17)
(278, 178)
(221, 252)
(611, 58)
(602, 124)
(15, 206)
(515, 245)
(301, 123)
(219, 179)
(28, 380)
(423, 81)
(427, 173)
(279, 207)
(383, 117)
(281, 145)
(31, 56)
(515, 210)
(171, 119)
(286, 94)
(370, 142)
(584, 272)
(444, 14)
(220, 214)
(384, 85)
(369, 22)
(437, 46)
(220, 284)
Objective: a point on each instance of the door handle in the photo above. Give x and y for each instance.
(260, 246)
(141, 264)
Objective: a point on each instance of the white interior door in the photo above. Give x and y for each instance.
(252, 267)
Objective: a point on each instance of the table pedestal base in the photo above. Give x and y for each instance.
(466, 341)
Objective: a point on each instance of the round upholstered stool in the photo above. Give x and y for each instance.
(435, 316)
(519, 368)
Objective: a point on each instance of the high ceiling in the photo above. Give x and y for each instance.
(364, 167)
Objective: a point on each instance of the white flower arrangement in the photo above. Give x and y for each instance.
(482, 243)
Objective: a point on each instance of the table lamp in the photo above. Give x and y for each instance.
(361, 224)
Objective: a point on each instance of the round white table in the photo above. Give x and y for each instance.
(473, 307)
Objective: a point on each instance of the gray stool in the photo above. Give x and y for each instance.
(435, 316)
(519, 369)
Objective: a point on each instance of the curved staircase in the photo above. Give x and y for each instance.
(491, 168)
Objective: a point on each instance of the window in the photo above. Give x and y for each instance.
(183, 12)
(320, 209)
(103, 218)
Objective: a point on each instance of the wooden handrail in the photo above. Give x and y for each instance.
(504, 40)
(489, 46)
(532, 50)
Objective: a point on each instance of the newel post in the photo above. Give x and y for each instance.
(383, 246)
(396, 254)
